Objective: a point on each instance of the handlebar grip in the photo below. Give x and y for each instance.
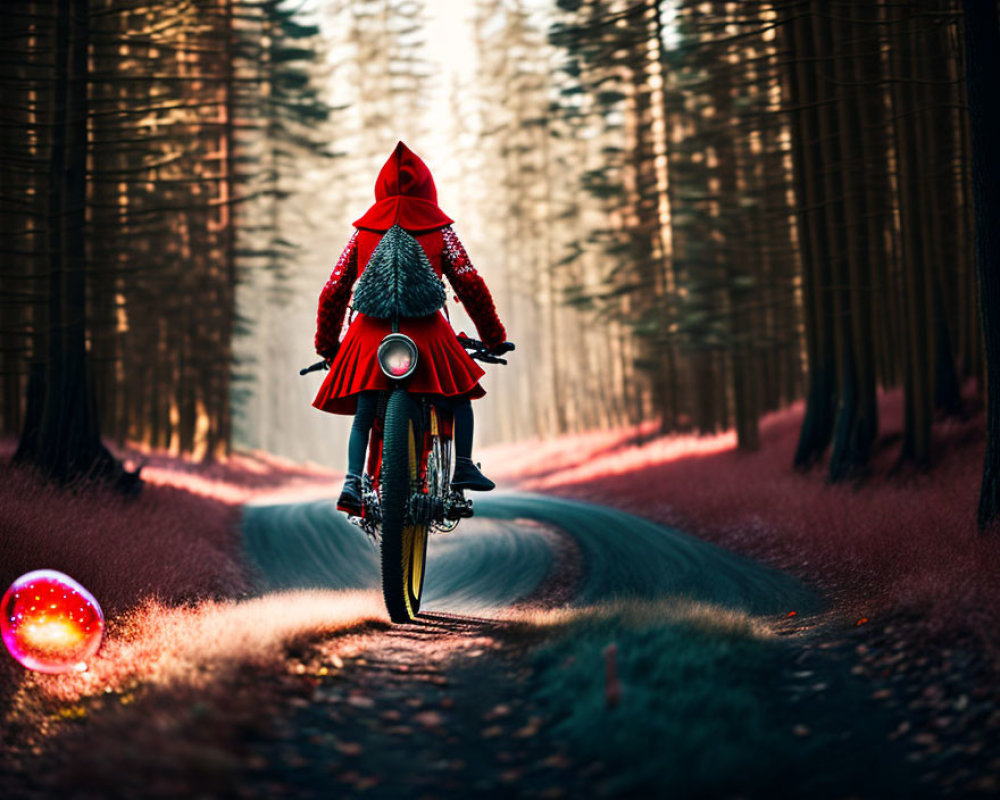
(314, 367)
(474, 344)
(488, 359)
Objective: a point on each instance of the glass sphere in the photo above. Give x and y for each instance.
(49, 622)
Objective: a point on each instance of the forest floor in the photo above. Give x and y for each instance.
(914, 589)
(168, 569)
(892, 691)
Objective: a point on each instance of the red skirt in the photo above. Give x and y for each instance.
(443, 365)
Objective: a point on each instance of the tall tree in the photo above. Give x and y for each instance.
(982, 40)
(133, 158)
(66, 442)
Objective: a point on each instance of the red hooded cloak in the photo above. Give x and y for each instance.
(405, 195)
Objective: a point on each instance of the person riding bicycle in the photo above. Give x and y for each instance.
(404, 226)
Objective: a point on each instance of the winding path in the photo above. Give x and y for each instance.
(502, 556)
(441, 708)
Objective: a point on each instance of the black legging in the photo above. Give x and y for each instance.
(364, 417)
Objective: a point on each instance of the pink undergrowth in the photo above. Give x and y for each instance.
(184, 645)
(901, 541)
(177, 543)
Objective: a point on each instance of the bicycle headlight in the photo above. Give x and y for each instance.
(397, 356)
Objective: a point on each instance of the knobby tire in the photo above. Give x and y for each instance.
(404, 546)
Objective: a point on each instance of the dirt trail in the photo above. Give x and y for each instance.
(430, 709)
(499, 558)
(439, 708)
(423, 710)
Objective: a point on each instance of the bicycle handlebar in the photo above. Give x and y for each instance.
(480, 352)
(314, 367)
(474, 344)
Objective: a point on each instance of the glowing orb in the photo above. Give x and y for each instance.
(49, 622)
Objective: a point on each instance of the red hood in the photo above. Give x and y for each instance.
(405, 195)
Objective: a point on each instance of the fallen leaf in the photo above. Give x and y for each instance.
(348, 748)
(529, 730)
(429, 719)
(501, 710)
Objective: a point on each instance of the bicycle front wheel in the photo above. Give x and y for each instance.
(404, 545)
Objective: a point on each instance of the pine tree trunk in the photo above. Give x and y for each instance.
(917, 310)
(941, 218)
(821, 394)
(16, 238)
(857, 420)
(982, 40)
(68, 437)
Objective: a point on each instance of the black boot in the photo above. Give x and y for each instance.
(468, 476)
(350, 497)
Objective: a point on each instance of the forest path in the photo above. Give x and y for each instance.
(502, 556)
(443, 707)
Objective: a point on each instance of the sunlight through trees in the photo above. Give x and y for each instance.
(693, 212)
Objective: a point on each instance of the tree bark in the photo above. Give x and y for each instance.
(66, 443)
(917, 308)
(982, 43)
(821, 393)
(857, 413)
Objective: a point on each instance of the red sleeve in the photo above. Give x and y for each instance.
(334, 298)
(471, 290)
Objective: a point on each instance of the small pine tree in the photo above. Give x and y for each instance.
(398, 280)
